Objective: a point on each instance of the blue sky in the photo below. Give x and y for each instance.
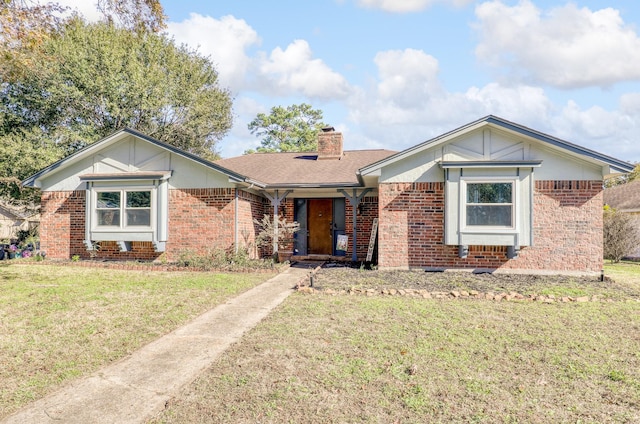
(393, 73)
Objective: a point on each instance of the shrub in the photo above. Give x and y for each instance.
(220, 259)
(269, 232)
(620, 234)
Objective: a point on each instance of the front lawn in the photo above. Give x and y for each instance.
(62, 322)
(384, 359)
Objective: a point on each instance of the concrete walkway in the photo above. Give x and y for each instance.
(138, 386)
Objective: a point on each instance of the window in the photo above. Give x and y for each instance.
(489, 204)
(123, 208)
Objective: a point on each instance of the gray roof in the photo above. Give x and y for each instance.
(283, 170)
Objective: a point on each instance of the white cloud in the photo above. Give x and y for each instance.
(407, 6)
(613, 132)
(407, 77)
(85, 8)
(283, 72)
(566, 47)
(224, 40)
(295, 71)
(519, 103)
(408, 103)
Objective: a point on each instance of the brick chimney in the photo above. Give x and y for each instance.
(329, 144)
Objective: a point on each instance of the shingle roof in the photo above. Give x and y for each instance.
(624, 197)
(303, 169)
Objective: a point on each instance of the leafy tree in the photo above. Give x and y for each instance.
(24, 26)
(22, 153)
(291, 129)
(136, 15)
(620, 234)
(105, 78)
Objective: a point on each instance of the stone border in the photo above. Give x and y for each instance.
(455, 294)
(148, 266)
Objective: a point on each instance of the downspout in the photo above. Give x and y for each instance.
(532, 187)
(236, 223)
(87, 220)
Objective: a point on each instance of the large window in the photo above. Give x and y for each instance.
(123, 208)
(489, 204)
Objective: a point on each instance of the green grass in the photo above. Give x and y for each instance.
(358, 359)
(58, 323)
(347, 359)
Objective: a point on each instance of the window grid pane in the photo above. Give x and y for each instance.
(108, 200)
(138, 199)
(489, 193)
(138, 211)
(108, 208)
(489, 204)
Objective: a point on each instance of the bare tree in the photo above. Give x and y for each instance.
(620, 234)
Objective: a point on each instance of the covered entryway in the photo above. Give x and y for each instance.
(321, 221)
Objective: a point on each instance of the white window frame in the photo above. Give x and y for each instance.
(122, 226)
(515, 205)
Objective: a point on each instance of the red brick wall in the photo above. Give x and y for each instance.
(567, 229)
(200, 220)
(62, 224)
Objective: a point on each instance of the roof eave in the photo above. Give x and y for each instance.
(312, 185)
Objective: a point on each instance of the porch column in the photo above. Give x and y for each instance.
(354, 200)
(275, 199)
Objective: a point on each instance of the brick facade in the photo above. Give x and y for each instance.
(62, 215)
(567, 229)
(199, 220)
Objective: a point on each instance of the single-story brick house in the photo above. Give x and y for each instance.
(489, 195)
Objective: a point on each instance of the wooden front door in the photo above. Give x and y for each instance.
(320, 217)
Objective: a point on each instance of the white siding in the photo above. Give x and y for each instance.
(490, 144)
(132, 154)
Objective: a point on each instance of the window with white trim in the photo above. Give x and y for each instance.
(489, 204)
(122, 209)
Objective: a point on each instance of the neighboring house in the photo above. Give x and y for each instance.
(489, 195)
(14, 219)
(625, 198)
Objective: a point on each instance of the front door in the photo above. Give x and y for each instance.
(320, 217)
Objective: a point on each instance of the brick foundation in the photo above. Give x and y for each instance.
(567, 229)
